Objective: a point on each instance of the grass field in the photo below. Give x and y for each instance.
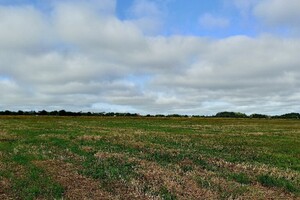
(148, 158)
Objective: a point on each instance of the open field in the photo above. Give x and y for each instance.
(148, 158)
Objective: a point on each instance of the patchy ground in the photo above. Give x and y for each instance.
(76, 186)
(148, 158)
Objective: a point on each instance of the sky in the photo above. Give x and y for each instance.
(192, 57)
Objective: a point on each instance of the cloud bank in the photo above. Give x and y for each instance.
(81, 56)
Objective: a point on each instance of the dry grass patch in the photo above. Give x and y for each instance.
(155, 182)
(106, 155)
(254, 190)
(11, 173)
(76, 186)
(252, 169)
(227, 189)
(6, 137)
(90, 137)
(87, 148)
(5, 188)
(59, 136)
(182, 187)
(258, 191)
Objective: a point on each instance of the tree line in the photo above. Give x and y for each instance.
(224, 114)
(64, 113)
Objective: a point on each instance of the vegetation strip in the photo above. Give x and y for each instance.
(45, 157)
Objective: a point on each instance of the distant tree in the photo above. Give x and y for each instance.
(174, 115)
(231, 114)
(20, 112)
(290, 116)
(43, 112)
(255, 115)
(54, 113)
(110, 114)
(62, 113)
(7, 112)
(89, 114)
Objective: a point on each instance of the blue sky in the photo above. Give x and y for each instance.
(182, 17)
(178, 16)
(150, 56)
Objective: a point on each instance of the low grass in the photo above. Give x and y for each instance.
(34, 183)
(270, 181)
(108, 170)
(150, 158)
(240, 178)
(167, 195)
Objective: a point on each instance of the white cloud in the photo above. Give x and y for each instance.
(239, 71)
(84, 26)
(209, 21)
(93, 60)
(147, 16)
(21, 27)
(244, 6)
(145, 8)
(279, 12)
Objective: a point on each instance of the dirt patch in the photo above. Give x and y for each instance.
(75, 185)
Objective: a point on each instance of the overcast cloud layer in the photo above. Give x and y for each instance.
(78, 55)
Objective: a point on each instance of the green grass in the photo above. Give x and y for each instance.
(108, 170)
(240, 178)
(36, 184)
(229, 191)
(228, 157)
(166, 195)
(203, 182)
(271, 181)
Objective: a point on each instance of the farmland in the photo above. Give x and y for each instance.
(43, 157)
